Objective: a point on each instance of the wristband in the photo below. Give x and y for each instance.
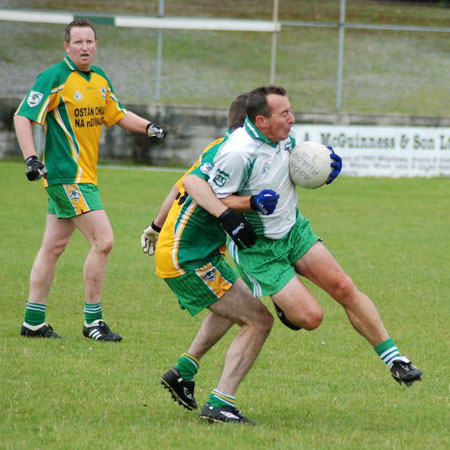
(155, 227)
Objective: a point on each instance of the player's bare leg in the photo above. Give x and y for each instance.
(97, 229)
(319, 266)
(212, 329)
(255, 321)
(298, 305)
(56, 237)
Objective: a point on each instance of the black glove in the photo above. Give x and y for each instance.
(235, 225)
(35, 168)
(155, 133)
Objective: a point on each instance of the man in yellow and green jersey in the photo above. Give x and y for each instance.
(72, 100)
(189, 257)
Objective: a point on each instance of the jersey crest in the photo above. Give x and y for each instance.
(34, 98)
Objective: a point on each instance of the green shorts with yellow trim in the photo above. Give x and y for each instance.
(71, 200)
(268, 265)
(201, 287)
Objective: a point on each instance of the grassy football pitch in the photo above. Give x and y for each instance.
(325, 389)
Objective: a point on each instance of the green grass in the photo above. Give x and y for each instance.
(384, 71)
(325, 389)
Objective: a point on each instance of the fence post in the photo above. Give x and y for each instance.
(340, 56)
(273, 61)
(159, 55)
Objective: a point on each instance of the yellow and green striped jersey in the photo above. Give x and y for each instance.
(73, 107)
(190, 236)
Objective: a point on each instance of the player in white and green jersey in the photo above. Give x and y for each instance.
(189, 256)
(254, 158)
(72, 100)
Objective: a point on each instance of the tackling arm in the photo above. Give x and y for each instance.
(204, 196)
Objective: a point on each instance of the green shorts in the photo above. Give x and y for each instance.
(269, 265)
(71, 200)
(201, 287)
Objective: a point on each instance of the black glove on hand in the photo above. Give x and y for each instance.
(155, 133)
(235, 225)
(35, 169)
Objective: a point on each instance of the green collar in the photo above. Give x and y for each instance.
(72, 66)
(256, 134)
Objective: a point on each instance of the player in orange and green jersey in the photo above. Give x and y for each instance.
(73, 100)
(189, 257)
(73, 106)
(185, 224)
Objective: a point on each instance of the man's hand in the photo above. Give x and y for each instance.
(149, 238)
(265, 202)
(235, 225)
(35, 169)
(336, 165)
(156, 133)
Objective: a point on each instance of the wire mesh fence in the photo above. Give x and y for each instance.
(384, 70)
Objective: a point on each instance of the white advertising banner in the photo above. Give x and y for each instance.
(384, 151)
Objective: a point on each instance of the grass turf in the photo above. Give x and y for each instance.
(325, 389)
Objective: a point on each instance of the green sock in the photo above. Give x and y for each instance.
(93, 312)
(219, 399)
(388, 351)
(35, 313)
(187, 366)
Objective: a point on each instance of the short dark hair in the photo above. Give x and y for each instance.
(237, 112)
(257, 101)
(78, 23)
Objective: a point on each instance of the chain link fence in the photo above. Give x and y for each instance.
(384, 71)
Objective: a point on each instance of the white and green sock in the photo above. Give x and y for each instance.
(35, 314)
(93, 312)
(219, 399)
(388, 352)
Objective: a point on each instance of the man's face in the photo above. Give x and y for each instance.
(278, 125)
(82, 47)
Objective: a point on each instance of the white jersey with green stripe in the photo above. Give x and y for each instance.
(73, 106)
(248, 163)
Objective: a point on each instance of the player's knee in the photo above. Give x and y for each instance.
(263, 320)
(105, 246)
(312, 320)
(344, 290)
(55, 250)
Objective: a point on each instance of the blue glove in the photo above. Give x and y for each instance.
(265, 202)
(336, 165)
